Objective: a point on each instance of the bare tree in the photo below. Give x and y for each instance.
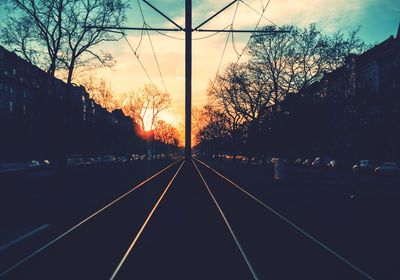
(100, 91)
(166, 133)
(146, 105)
(250, 94)
(292, 61)
(34, 30)
(53, 34)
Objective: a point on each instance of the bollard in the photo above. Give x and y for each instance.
(279, 168)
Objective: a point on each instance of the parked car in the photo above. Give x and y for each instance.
(306, 162)
(364, 166)
(75, 161)
(19, 166)
(316, 162)
(388, 168)
(332, 164)
(122, 159)
(297, 161)
(109, 158)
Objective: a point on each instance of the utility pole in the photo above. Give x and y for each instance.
(188, 54)
(188, 79)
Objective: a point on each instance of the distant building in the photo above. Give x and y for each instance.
(39, 112)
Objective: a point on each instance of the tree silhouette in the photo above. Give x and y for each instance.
(53, 34)
(146, 105)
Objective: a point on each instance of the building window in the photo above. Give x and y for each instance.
(14, 72)
(24, 109)
(11, 106)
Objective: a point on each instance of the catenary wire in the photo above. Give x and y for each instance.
(260, 14)
(152, 46)
(258, 23)
(227, 39)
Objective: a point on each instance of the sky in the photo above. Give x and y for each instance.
(378, 20)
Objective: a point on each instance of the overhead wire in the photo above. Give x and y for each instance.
(193, 39)
(263, 16)
(255, 28)
(140, 62)
(152, 46)
(155, 55)
(227, 38)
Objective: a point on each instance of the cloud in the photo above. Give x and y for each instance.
(127, 75)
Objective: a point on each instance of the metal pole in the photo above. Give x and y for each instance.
(188, 79)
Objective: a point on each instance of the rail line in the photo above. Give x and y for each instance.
(286, 220)
(47, 245)
(227, 223)
(129, 250)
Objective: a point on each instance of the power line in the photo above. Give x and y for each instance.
(227, 39)
(140, 62)
(258, 23)
(155, 57)
(152, 47)
(263, 16)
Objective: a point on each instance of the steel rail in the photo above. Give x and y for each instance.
(117, 269)
(227, 224)
(47, 245)
(292, 224)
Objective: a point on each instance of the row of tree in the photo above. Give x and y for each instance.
(245, 100)
(143, 106)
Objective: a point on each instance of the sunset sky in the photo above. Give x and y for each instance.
(378, 20)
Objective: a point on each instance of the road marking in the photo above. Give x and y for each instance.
(23, 237)
(227, 224)
(343, 259)
(82, 222)
(144, 225)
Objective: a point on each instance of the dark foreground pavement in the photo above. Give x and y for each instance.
(187, 237)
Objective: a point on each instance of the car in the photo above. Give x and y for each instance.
(316, 162)
(297, 161)
(19, 166)
(306, 162)
(332, 164)
(364, 166)
(122, 159)
(388, 168)
(109, 158)
(75, 161)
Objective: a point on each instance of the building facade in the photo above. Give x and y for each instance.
(362, 102)
(41, 117)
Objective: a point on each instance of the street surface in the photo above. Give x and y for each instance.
(196, 219)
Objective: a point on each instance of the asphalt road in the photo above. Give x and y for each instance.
(177, 226)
